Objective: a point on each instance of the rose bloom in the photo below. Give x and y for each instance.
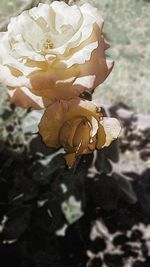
(78, 126)
(53, 52)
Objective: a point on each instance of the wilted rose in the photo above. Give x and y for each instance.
(77, 125)
(55, 51)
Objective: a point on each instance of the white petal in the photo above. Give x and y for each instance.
(25, 26)
(90, 16)
(42, 15)
(2, 34)
(112, 129)
(69, 80)
(81, 56)
(94, 126)
(22, 50)
(7, 78)
(66, 15)
(82, 34)
(92, 13)
(85, 81)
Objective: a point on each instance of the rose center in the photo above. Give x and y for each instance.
(82, 133)
(48, 44)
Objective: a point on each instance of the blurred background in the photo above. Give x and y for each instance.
(127, 28)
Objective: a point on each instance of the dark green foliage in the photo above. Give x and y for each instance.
(35, 182)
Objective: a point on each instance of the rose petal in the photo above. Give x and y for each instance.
(23, 26)
(60, 112)
(82, 134)
(101, 137)
(81, 56)
(85, 82)
(54, 84)
(22, 97)
(75, 63)
(94, 126)
(70, 159)
(68, 130)
(92, 13)
(97, 65)
(110, 131)
(10, 80)
(66, 15)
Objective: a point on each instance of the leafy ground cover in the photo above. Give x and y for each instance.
(40, 200)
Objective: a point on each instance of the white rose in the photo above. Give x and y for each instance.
(53, 51)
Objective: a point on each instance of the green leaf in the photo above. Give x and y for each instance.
(126, 187)
(102, 163)
(17, 222)
(112, 152)
(31, 121)
(72, 209)
(47, 167)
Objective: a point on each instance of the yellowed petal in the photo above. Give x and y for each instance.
(61, 111)
(101, 137)
(70, 159)
(82, 134)
(55, 84)
(92, 144)
(98, 65)
(68, 130)
(22, 97)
